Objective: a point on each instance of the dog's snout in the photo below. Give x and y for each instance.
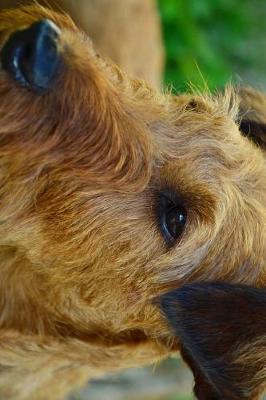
(31, 56)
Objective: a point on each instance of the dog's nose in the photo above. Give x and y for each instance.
(31, 56)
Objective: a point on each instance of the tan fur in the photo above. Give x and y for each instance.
(82, 258)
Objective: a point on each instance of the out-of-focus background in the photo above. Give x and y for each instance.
(170, 380)
(208, 43)
(218, 40)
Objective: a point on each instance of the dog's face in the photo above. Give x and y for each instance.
(112, 194)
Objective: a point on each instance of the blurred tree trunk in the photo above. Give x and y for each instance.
(127, 31)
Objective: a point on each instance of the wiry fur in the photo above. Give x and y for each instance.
(81, 254)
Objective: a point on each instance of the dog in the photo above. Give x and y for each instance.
(112, 195)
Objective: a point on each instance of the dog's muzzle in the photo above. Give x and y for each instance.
(31, 56)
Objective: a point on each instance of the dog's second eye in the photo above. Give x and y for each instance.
(172, 218)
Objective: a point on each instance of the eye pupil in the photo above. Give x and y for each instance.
(172, 217)
(175, 221)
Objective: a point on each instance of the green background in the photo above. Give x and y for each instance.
(214, 41)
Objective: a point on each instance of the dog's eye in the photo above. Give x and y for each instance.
(172, 217)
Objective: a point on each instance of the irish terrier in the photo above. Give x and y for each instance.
(113, 194)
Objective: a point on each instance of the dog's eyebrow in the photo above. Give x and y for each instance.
(222, 329)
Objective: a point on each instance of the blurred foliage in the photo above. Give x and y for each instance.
(205, 40)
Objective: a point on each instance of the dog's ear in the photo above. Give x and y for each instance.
(252, 115)
(222, 330)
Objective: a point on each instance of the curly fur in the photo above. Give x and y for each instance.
(82, 258)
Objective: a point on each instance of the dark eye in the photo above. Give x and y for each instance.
(172, 217)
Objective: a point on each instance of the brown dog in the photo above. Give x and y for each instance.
(111, 195)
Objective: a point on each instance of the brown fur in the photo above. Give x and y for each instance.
(82, 257)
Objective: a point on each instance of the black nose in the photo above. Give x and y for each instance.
(31, 55)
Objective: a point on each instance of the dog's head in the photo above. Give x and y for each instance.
(111, 193)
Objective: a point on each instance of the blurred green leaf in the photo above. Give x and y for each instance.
(204, 40)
